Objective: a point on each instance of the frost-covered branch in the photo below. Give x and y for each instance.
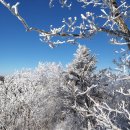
(114, 16)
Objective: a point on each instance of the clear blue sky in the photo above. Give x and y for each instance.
(21, 49)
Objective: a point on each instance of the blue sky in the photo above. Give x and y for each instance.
(21, 49)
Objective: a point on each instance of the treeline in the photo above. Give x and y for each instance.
(78, 97)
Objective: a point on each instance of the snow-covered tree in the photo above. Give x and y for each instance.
(114, 106)
(79, 78)
(95, 100)
(110, 17)
(29, 99)
(81, 69)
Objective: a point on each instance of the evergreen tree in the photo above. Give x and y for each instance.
(81, 69)
(79, 78)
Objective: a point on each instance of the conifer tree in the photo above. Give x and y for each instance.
(80, 77)
(81, 69)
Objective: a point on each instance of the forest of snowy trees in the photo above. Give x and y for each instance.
(78, 97)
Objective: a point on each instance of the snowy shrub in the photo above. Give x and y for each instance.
(29, 99)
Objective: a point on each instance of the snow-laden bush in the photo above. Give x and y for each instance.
(29, 99)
